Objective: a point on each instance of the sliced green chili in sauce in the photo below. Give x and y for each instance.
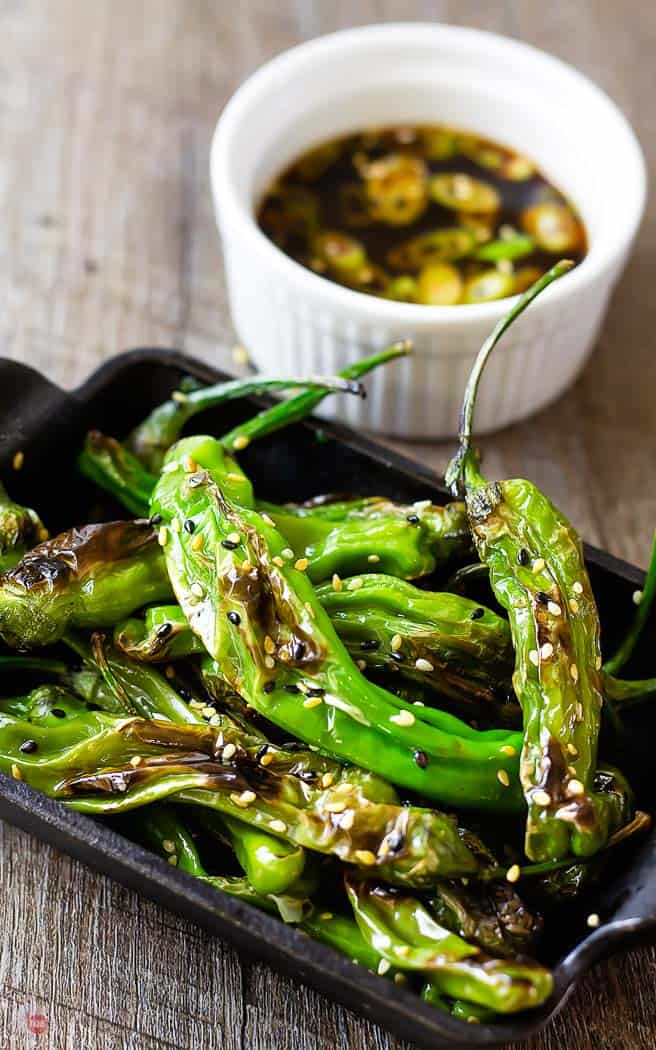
(425, 214)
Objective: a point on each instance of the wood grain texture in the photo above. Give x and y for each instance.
(107, 241)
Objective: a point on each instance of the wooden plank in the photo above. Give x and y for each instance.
(108, 241)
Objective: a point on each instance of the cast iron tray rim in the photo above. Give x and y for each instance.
(283, 946)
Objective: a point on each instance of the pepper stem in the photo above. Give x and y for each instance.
(624, 651)
(454, 476)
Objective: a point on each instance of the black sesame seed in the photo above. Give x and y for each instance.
(543, 597)
(316, 691)
(298, 650)
(57, 712)
(93, 707)
(229, 545)
(155, 519)
(523, 556)
(477, 613)
(189, 525)
(261, 752)
(268, 687)
(307, 775)
(235, 618)
(421, 758)
(370, 645)
(164, 630)
(396, 655)
(28, 747)
(413, 519)
(291, 689)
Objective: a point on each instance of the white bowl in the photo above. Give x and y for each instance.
(294, 321)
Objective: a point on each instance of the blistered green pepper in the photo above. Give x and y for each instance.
(258, 616)
(408, 936)
(20, 529)
(538, 575)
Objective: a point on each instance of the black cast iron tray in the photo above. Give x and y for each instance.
(48, 425)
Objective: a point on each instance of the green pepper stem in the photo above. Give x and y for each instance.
(297, 408)
(625, 649)
(454, 474)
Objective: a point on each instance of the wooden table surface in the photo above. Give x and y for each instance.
(107, 241)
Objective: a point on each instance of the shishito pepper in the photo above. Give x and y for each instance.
(87, 577)
(455, 645)
(20, 529)
(408, 936)
(538, 575)
(258, 616)
(102, 763)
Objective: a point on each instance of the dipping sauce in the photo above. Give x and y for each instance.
(424, 214)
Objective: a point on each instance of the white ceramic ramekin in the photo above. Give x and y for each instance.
(295, 321)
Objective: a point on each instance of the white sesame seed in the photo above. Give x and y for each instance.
(361, 664)
(347, 820)
(575, 787)
(383, 967)
(373, 558)
(247, 797)
(197, 589)
(228, 751)
(554, 608)
(422, 504)
(546, 651)
(538, 565)
(598, 663)
(423, 665)
(241, 442)
(312, 701)
(534, 657)
(278, 561)
(18, 460)
(508, 749)
(335, 807)
(337, 583)
(175, 525)
(574, 672)
(136, 760)
(404, 718)
(162, 535)
(579, 712)
(278, 825)
(208, 712)
(365, 856)
(396, 642)
(355, 584)
(168, 845)
(269, 663)
(513, 873)
(239, 354)
(577, 587)
(301, 564)
(190, 465)
(574, 605)
(327, 779)
(173, 860)
(266, 519)
(572, 750)
(541, 798)
(179, 396)
(287, 552)
(269, 644)
(503, 778)
(233, 537)
(636, 597)
(593, 921)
